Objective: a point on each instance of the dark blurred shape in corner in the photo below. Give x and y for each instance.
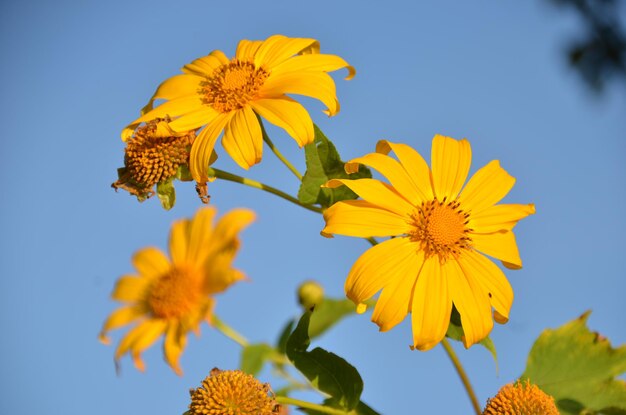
(599, 55)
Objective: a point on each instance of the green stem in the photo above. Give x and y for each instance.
(459, 369)
(280, 156)
(285, 400)
(229, 332)
(224, 175)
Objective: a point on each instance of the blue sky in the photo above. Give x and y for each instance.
(76, 73)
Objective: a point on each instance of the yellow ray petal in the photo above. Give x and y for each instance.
(152, 330)
(378, 193)
(393, 171)
(121, 317)
(313, 63)
(471, 302)
(194, 119)
(451, 161)
(129, 288)
(205, 66)
(151, 262)
(172, 109)
(179, 238)
(243, 139)
(202, 148)
(394, 302)
(413, 163)
(499, 245)
(362, 219)
(491, 279)
(499, 217)
(431, 306)
(287, 114)
(486, 188)
(378, 266)
(231, 224)
(200, 235)
(246, 49)
(276, 49)
(173, 346)
(178, 86)
(318, 85)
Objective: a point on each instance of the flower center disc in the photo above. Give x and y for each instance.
(174, 294)
(233, 85)
(441, 227)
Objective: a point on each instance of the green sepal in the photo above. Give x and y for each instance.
(166, 193)
(322, 164)
(455, 332)
(183, 173)
(326, 371)
(578, 368)
(254, 356)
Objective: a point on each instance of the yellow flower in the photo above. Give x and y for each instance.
(173, 296)
(441, 233)
(224, 94)
(521, 399)
(232, 392)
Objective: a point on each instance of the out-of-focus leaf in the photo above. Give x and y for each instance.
(281, 344)
(361, 408)
(455, 332)
(253, 357)
(578, 368)
(322, 164)
(327, 313)
(166, 193)
(325, 370)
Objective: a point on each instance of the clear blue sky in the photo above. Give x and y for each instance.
(74, 73)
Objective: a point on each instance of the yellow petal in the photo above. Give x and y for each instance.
(393, 171)
(243, 139)
(202, 148)
(151, 262)
(231, 224)
(194, 119)
(277, 49)
(201, 235)
(492, 280)
(152, 330)
(499, 245)
(499, 217)
(378, 193)
(451, 161)
(179, 238)
(413, 163)
(394, 302)
(123, 316)
(130, 288)
(378, 266)
(314, 63)
(471, 302)
(287, 114)
(486, 188)
(178, 86)
(318, 85)
(246, 49)
(205, 66)
(431, 306)
(362, 219)
(172, 109)
(173, 346)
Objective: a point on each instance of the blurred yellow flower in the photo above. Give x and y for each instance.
(521, 398)
(225, 94)
(172, 296)
(440, 234)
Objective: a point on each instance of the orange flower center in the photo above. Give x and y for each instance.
(441, 228)
(521, 399)
(175, 294)
(233, 85)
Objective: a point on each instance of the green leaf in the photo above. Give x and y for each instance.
(327, 313)
(325, 370)
(166, 193)
(455, 332)
(253, 357)
(281, 344)
(361, 408)
(183, 174)
(578, 368)
(322, 164)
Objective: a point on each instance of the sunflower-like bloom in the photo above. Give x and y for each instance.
(172, 296)
(232, 392)
(440, 234)
(225, 94)
(521, 398)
